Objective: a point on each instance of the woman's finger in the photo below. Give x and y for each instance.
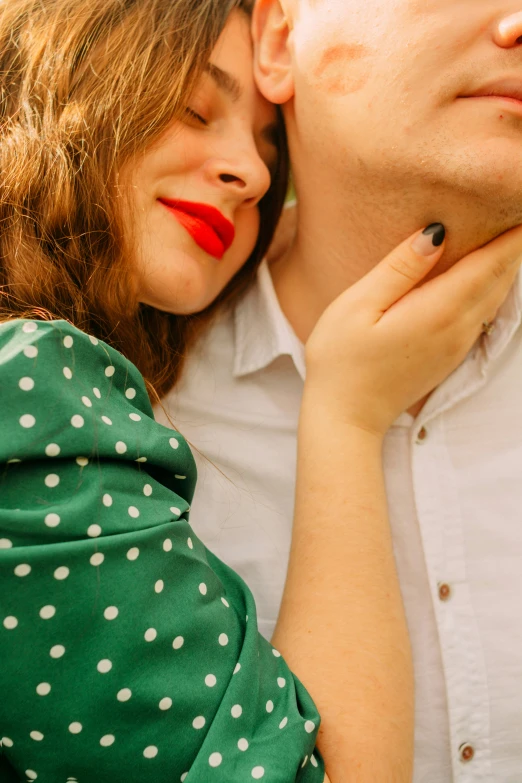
(402, 269)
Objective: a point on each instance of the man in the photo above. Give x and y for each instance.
(399, 114)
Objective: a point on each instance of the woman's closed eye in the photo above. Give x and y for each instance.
(195, 117)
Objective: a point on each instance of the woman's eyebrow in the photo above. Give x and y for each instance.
(225, 81)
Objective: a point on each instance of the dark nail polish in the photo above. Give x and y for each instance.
(437, 233)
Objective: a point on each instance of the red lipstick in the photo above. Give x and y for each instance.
(209, 229)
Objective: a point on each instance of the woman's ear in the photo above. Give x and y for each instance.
(271, 30)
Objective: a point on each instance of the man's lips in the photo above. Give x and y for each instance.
(509, 89)
(209, 229)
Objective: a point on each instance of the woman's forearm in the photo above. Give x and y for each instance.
(342, 626)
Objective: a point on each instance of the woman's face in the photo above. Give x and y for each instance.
(195, 193)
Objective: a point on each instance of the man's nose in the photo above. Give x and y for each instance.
(508, 31)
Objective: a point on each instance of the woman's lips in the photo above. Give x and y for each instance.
(209, 229)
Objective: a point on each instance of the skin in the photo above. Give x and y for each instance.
(390, 142)
(223, 159)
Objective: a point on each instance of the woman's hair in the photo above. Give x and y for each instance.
(85, 85)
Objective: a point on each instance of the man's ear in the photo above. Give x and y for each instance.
(271, 31)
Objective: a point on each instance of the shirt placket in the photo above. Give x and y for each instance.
(441, 526)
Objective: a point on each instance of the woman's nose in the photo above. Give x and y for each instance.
(245, 176)
(508, 31)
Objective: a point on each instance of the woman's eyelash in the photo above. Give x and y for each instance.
(195, 116)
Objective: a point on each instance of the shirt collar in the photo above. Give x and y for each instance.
(262, 332)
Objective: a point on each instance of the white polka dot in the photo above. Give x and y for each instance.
(124, 694)
(6, 742)
(23, 569)
(167, 545)
(270, 706)
(68, 341)
(107, 500)
(61, 573)
(93, 531)
(77, 421)
(183, 777)
(75, 727)
(236, 711)
(27, 420)
(198, 722)
(189, 543)
(309, 726)
(10, 622)
(86, 401)
(203, 588)
(133, 553)
(52, 480)
(178, 642)
(29, 327)
(225, 603)
(104, 666)
(158, 587)
(135, 417)
(147, 490)
(57, 651)
(111, 613)
(67, 372)
(150, 634)
(165, 704)
(223, 639)
(141, 459)
(97, 559)
(5, 543)
(176, 475)
(52, 520)
(210, 680)
(283, 723)
(121, 447)
(130, 393)
(304, 762)
(46, 612)
(215, 759)
(93, 340)
(133, 512)
(82, 461)
(151, 752)
(276, 653)
(175, 510)
(106, 420)
(13, 461)
(96, 392)
(242, 744)
(43, 689)
(237, 668)
(36, 735)
(174, 443)
(31, 774)
(109, 371)
(258, 773)
(281, 682)
(31, 351)
(313, 761)
(26, 384)
(52, 450)
(107, 740)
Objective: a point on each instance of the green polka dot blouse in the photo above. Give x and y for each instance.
(129, 653)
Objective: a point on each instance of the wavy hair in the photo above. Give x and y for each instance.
(84, 86)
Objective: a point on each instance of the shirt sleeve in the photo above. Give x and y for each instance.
(129, 652)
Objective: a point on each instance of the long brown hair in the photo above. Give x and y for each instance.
(85, 85)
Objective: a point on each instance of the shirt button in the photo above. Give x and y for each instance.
(466, 752)
(422, 435)
(444, 591)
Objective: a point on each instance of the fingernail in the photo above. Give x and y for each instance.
(426, 243)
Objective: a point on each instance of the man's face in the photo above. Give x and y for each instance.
(390, 88)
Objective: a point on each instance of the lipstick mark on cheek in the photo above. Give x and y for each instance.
(340, 71)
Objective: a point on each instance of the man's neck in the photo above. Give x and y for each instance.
(341, 238)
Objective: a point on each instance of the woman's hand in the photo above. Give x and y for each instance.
(384, 343)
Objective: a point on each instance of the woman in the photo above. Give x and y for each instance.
(135, 151)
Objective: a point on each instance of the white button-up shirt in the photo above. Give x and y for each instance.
(454, 483)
